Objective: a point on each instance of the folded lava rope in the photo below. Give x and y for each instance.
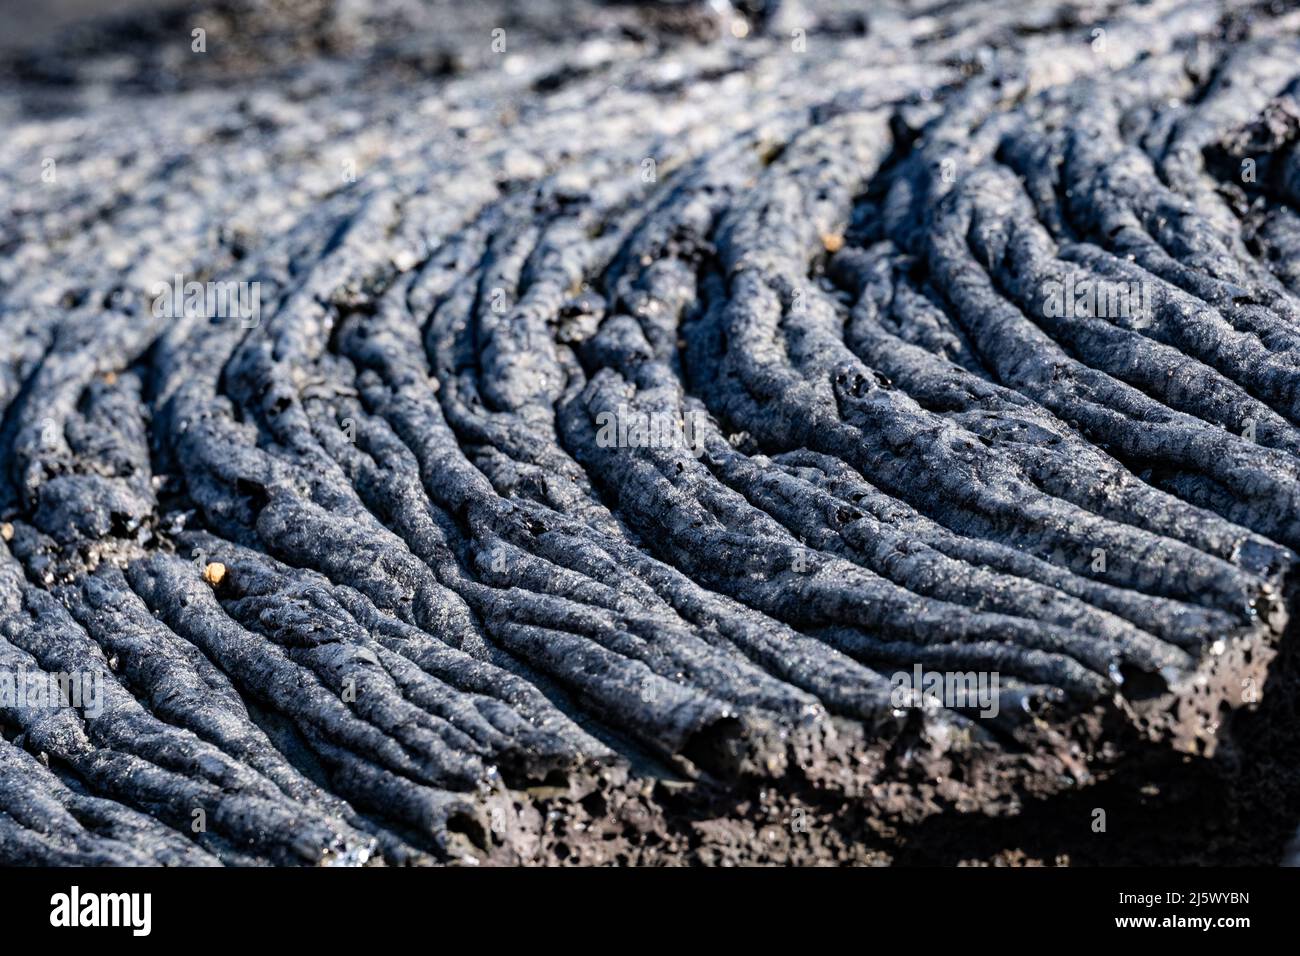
(607, 433)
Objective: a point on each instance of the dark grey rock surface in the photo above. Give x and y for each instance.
(588, 409)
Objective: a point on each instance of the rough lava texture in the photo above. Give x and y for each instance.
(362, 578)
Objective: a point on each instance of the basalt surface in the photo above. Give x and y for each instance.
(601, 403)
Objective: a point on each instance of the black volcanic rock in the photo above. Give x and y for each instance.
(543, 433)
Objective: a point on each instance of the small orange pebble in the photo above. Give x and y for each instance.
(7, 531)
(214, 573)
(832, 242)
(110, 378)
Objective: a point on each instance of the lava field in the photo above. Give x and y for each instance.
(599, 433)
